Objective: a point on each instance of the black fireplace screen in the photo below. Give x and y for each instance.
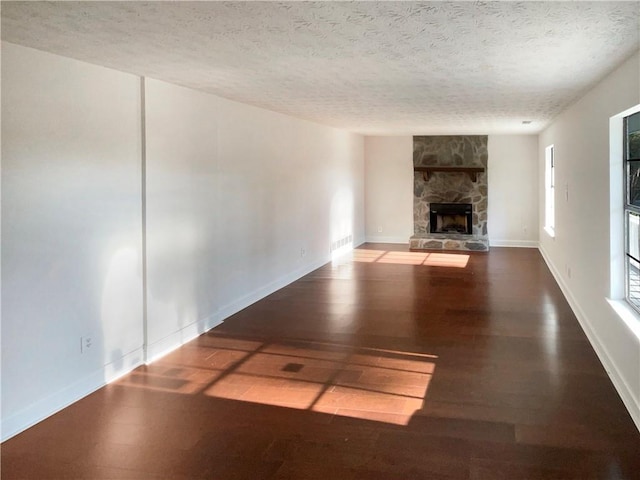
(451, 218)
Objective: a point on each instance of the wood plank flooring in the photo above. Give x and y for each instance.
(387, 364)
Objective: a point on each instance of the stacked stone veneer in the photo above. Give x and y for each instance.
(448, 187)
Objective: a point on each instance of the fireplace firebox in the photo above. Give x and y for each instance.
(451, 218)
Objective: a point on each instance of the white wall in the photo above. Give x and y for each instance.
(298, 187)
(389, 189)
(580, 254)
(71, 231)
(513, 190)
(513, 195)
(239, 202)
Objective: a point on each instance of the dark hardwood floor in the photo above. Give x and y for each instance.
(387, 365)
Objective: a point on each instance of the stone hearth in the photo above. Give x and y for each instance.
(451, 152)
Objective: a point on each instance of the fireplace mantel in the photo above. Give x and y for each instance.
(471, 171)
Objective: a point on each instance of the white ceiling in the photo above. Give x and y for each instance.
(370, 67)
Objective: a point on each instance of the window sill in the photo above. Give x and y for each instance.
(550, 231)
(627, 314)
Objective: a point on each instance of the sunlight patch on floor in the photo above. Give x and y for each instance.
(452, 260)
(365, 383)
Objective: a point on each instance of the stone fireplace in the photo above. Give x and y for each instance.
(450, 193)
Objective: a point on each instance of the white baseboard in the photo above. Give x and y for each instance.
(513, 243)
(621, 386)
(45, 407)
(383, 239)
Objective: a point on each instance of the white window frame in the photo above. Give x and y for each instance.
(617, 240)
(631, 221)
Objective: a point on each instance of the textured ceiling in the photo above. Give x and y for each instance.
(370, 67)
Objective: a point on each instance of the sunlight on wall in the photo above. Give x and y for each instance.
(341, 223)
(121, 307)
(173, 272)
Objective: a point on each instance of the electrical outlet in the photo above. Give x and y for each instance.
(86, 343)
(379, 228)
(303, 252)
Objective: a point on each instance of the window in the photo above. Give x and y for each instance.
(631, 149)
(549, 198)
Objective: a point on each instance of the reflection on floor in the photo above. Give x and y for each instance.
(386, 364)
